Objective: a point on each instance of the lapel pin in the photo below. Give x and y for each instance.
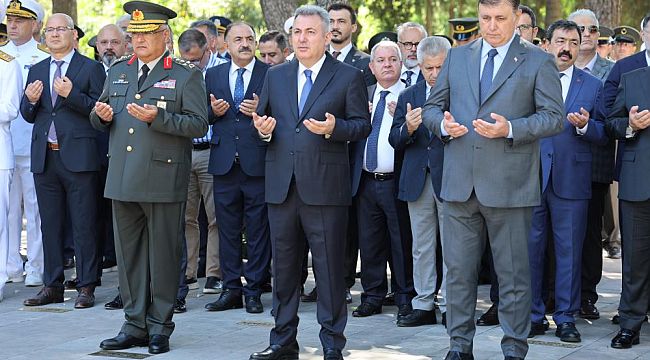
(516, 59)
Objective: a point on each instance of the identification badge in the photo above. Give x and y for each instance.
(162, 104)
(166, 84)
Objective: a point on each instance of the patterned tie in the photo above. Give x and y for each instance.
(239, 88)
(51, 134)
(409, 73)
(488, 72)
(587, 70)
(143, 77)
(373, 138)
(305, 91)
(336, 54)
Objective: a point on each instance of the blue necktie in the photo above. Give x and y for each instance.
(488, 72)
(239, 88)
(305, 91)
(373, 138)
(51, 134)
(409, 73)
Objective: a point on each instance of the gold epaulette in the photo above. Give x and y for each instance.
(6, 57)
(43, 48)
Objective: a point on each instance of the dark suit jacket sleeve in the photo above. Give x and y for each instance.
(95, 121)
(596, 130)
(27, 110)
(192, 121)
(618, 119)
(356, 125)
(399, 137)
(548, 118)
(438, 101)
(81, 102)
(610, 90)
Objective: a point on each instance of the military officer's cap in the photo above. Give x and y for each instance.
(463, 28)
(28, 9)
(147, 17)
(93, 41)
(540, 37)
(626, 34)
(288, 25)
(221, 23)
(382, 36)
(80, 33)
(606, 35)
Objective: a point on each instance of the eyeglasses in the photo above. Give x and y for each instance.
(58, 29)
(524, 27)
(112, 42)
(409, 44)
(592, 29)
(196, 62)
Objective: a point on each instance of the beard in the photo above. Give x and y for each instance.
(340, 40)
(108, 58)
(410, 63)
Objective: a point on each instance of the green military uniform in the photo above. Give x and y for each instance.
(148, 173)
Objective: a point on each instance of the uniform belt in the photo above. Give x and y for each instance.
(380, 176)
(53, 146)
(201, 146)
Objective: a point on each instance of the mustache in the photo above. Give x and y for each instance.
(336, 32)
(561, 53)
(245, 48)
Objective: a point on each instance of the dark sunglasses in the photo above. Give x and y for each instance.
(592, 29)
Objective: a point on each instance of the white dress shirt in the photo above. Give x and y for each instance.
(64, 67)
(385, 152)
(344, 52)
(151, 64)
(232, 76)
(302, 79)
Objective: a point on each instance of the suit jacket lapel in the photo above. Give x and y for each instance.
(514, 58)
(71, 73)
(324, 76)
(474, 68)
(574, 89)
(350, 58)
(371, 92)
(224, 73)
(47, 87)
(256, 79)
(292, 78)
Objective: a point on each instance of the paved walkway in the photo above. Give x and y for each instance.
(60, 332)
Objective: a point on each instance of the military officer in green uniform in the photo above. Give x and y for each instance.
(152, 105)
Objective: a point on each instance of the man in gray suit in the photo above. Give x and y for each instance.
(492, 102)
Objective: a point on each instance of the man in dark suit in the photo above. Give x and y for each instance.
(237, 163)
(309, 109)
(152, 105)
(375, 188)
(343, 25)
(491, 172)
(629, 119)
(61, 91)
(602, 169)
(419, 183)
(566, 187)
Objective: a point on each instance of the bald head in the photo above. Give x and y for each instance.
(111, 43)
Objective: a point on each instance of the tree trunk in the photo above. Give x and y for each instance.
(276, 12)
(608, 12)
(66, 7)
(553, 11)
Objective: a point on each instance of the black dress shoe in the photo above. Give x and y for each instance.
(616, 319)
(513, 358)
(122, 341)
(389, 299)
(114, 304)
(490, 317)
(366, 309)
(311, 296)
(538, 328)
(403, 311)
(332, 354)
(444, 319)
(158, 344)
(457, 355)
(254, 305)
(180, 306)
(228, 300)
(266, 287)
(348, 296)
(589, 311)
(567, 332)
(277, 352)
(418, 318)
(625, 339)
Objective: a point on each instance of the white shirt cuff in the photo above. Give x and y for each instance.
(582, 130)
(509, 130)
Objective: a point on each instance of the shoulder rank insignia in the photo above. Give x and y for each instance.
(184, 63)
(3, 43)
(167, 63)
(132, 60)
(43, 48)
(6, 57)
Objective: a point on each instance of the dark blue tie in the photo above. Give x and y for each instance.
(239, 88)
(373, 138)
(488, 72)
(305, 91)
(408, 82)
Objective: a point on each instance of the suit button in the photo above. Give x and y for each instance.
(131, 131)
(169, 161)
(129, 148)
(53, 114)
(138, 96)
(297, 130)
(290, 152)
(236, 137)
(428, 147)
(236, 119)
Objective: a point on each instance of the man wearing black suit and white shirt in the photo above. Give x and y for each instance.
(310, 108)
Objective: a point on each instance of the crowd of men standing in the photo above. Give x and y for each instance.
(489, 154)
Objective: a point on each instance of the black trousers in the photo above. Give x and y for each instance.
(592, 248)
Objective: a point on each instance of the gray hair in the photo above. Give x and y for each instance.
(313, 10)
(411, 25)
(212, 28)
(66, 17)
(385, 44)
(432, 46)
(583, 12)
